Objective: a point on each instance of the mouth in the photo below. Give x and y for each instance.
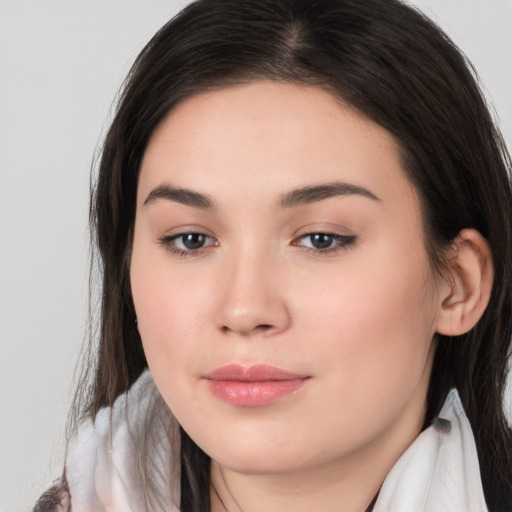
(253, 386)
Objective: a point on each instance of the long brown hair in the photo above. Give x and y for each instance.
(400, 70)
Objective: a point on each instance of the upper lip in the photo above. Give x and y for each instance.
(254, 373)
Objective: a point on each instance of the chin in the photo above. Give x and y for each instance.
(258, 459)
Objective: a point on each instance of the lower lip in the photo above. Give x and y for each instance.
(253, 394)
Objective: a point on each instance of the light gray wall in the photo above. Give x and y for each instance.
(61, 62)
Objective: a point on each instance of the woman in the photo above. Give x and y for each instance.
(303, 212)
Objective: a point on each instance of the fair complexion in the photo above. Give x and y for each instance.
(276, 226)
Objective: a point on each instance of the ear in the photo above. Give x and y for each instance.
(467, 288)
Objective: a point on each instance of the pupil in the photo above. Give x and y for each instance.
(321, 240)
(193, 240)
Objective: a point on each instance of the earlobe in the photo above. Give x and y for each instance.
(467, 289)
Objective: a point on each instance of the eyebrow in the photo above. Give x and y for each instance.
(314, 193)
(180, 195)
(297, 197)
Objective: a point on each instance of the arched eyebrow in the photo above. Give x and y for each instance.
(314, 193)
(181, 195)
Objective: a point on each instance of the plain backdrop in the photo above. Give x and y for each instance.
(61, 63)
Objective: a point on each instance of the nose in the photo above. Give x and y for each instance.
(251, 297)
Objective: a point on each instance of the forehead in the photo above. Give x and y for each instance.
(266, 138)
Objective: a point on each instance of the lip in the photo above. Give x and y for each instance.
(253, 386)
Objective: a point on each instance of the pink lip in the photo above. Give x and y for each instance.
(253, 386)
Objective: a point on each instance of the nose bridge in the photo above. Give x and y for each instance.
(251, 300)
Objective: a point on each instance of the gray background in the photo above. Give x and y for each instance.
(61, 63)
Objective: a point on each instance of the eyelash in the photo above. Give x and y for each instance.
(341, 242)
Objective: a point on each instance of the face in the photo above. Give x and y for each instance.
(280, 279)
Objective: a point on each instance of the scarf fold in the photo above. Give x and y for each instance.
(105, 460)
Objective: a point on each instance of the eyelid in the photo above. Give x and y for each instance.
(185, 229)
(343, 238)
(323, 227)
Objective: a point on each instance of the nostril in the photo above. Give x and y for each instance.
(249, 331)
(263, 327)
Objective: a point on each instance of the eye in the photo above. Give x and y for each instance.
(185, 244)
(325, 242)
(191, 241)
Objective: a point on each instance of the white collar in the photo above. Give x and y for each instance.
(439, 472)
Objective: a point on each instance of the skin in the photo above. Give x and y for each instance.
(358, 319)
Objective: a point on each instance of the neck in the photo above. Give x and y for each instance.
(303, 491)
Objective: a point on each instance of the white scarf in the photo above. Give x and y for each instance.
(439, 472)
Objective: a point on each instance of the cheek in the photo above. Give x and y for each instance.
(168, 308)
(170, 326)
(374, 322)
(169, 322)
